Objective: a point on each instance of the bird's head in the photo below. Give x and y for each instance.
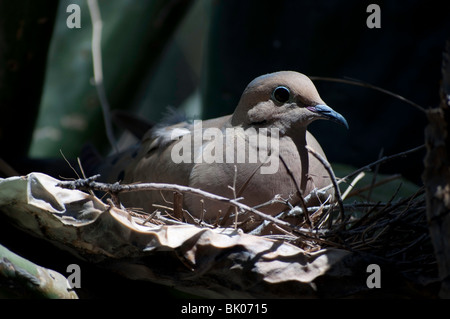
(285, 100)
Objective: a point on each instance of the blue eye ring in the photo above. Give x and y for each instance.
(281, 94)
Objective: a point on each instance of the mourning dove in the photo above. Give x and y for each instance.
(260, 149)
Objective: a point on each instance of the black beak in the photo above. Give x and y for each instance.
(328, 113)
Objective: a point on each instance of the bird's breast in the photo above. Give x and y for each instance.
(251, 167)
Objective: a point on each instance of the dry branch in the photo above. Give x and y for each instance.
(383, 160)
(116, 188)
(337, 192)
(370, 86)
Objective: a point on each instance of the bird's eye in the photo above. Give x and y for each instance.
(281, 94)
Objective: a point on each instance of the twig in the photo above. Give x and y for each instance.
(323, 217)
(178, 205)
(383, 160)
(365, 216)
(219, 213)
(337, 191)
(234, 196)
(172, 221)
(97, 26)
(382, 212)
(150, 217)
(82, 173)
(276, 199)
(90, 183)
(70, 165)
(162, 207)
(258, 230)
(195, 220)
(374, 177)
(352, 184)
(305, 210)
(370, 86)
(379, 183)
(368, 168)
(297, 211)
(421, 238)
(300, 193)
(202, 210)
(241, 190)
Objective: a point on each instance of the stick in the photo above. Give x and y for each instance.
(91, 184)
(178, 205)
(383, 160)
(352, 184)
(234, 196)
(337, 191)
(370, 86)
(375, 175)
(369, 166)
(300, 193)
(70, 165)
(98, 69)
(377, 184)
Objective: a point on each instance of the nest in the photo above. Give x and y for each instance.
(394, 228)
(393, 233)
(396, 232)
